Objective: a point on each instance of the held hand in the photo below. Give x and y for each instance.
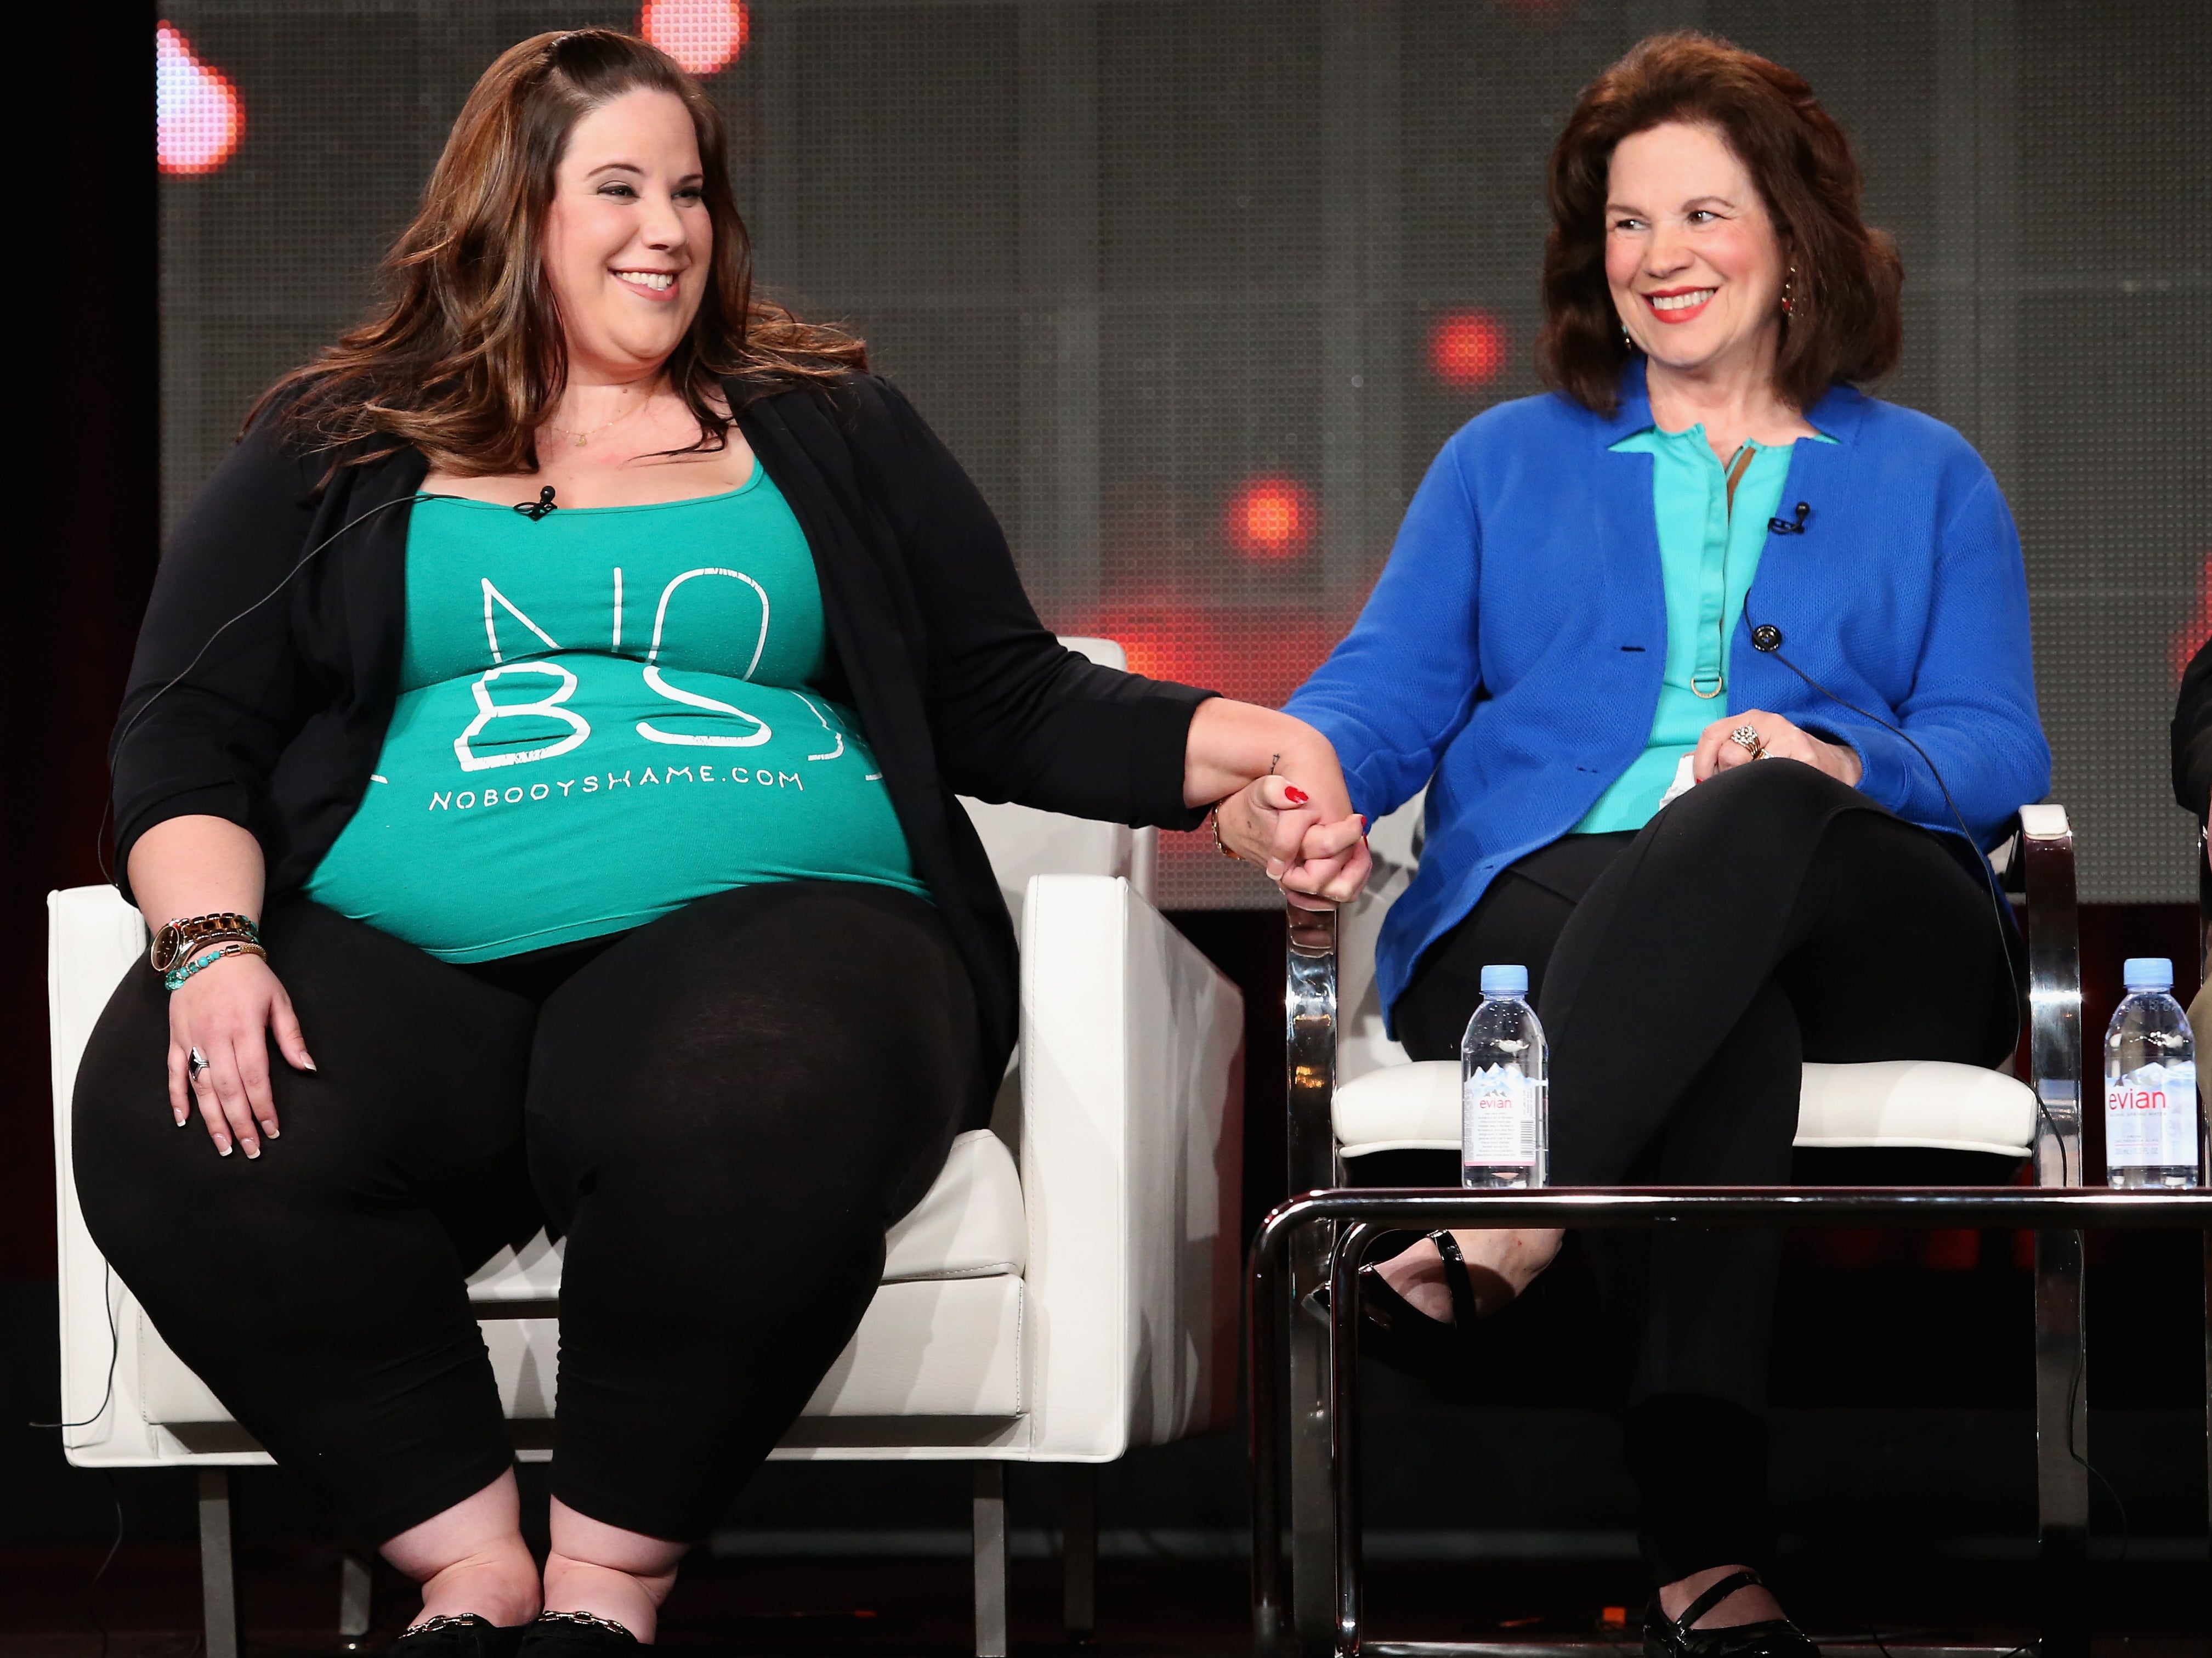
(1718, 749)
(1332, 867)
(1265, 821)
(222, 1012)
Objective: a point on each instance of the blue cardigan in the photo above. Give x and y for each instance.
(1511, 654)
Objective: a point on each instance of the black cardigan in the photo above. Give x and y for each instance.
(958, 686)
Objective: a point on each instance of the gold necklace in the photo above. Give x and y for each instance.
(1738, 465)
(583, 437)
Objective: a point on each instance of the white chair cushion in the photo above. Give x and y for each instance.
(969, 1224)
(1916, 1102)
(1410, 1107)
(1923, 1103)
(937, 1348)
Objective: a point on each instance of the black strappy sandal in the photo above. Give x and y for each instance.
(463, 1635)
(577, 1635)
(1395, 1332)
(1674, 1637)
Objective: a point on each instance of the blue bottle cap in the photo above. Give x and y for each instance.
(2138, 972)
(1505, 981)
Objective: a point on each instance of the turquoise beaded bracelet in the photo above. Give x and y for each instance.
(176, 975)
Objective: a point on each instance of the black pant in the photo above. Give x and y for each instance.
(1683, 974)
(723, 1110)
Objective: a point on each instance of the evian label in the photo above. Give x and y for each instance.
(2150, 1118)
(1497, 1117)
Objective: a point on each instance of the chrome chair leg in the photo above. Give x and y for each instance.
(218, 1580)
(2061, 1444)
(1310, 1042)
(990, 1560)
(1312, 1452)
(1078, 1550)
(354, 1584)
(1345, 1517)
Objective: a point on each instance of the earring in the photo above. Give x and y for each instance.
(1788, 281)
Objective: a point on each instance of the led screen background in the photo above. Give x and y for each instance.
(1195, 290)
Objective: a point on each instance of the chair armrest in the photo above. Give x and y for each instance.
(2054, 993)
(93, 938)
(1309, 1041)
(1132, 1153)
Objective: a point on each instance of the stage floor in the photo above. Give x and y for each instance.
(149, 1601)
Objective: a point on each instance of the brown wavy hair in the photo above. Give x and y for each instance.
(463, 356)
(1846, 319)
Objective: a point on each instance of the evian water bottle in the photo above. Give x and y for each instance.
(1505, 1108)
(2151, 1137)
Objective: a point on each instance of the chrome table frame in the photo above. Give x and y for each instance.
(1338, 1226)
(1299, 1250)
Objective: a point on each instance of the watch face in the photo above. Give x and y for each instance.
(166, 943)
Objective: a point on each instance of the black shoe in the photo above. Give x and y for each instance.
(575, 1635)
(465, 1636)
(1673, 1637)
(1395, 1332)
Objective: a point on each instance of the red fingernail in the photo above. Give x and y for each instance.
(1293, 793)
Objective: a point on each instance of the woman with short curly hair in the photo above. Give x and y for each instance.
(1716, 672)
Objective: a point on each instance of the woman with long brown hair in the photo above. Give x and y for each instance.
(546, 727)
(1716, 673)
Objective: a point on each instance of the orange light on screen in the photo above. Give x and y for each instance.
(703, 35)
(1467, 349)
(198, 117)
(1271, 518)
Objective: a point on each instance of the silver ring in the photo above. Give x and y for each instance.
(1746, 737)
(194, 1063)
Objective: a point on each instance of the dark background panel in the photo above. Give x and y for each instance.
(1136, 258)
(1132, 257)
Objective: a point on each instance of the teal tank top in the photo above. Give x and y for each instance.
(605, 714)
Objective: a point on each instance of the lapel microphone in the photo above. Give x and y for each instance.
(534, 510)
(1779, 526)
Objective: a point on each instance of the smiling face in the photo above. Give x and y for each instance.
(1692, 254)
(627, 241)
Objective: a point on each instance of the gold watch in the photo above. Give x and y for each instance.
(174, 941)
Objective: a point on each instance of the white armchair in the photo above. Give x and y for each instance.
(1067, 1290)
(1385, 1102)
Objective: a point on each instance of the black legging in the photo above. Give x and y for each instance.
(1683, 974)
(723, 1110)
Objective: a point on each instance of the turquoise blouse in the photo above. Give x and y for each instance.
(1708, 558)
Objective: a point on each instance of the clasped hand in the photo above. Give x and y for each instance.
(1314, 847)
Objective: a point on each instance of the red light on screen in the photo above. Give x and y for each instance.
(198, 117)
(703, 35)
(2198, 628)
(1270, 518)
(1467, 349)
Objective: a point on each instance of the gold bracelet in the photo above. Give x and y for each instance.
(1219, 844)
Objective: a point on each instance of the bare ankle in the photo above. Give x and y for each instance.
(499, 1584)
(1748, 1605)
(632, 1601)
